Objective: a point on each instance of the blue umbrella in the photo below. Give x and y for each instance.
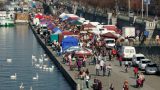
(65, 18)
(55, 29)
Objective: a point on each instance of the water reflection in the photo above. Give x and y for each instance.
(19, 44)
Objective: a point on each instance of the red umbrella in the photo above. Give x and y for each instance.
(67, 33)
(82, 52)
(88, 26)
(39, 16)
(109, 35)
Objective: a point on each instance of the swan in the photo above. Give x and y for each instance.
(36, 78)
(21, 87)
(37, 65)
(44, 55)
(51, 68)
(9, 60)
(13, 77)
(40, 60)
(33, 57)
(46, 59)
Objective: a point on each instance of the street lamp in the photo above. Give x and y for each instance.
(129, 7)
(142, 9)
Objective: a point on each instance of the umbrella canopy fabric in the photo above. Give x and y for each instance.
(62, 15)
(67, 33)
(50, 26)
(71, 49)
(76, 22)
(65, 18)
(88, 26)
(55, 29)
(58, 32)
(39, 16)
(83, 51)
(109, 35)
(68, 42)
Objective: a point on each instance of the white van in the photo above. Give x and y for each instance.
(109, 42)
(127, 52)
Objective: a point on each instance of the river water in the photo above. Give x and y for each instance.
(19, 44)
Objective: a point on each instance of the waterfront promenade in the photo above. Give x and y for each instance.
(118, 76)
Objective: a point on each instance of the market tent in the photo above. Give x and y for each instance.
(109, 35)
(62, 15)
(88, 26)
(68, 42)
(65, 18)
(50, 26)
(55, 29)
(76, 22)
(67, 33)
(111, 27)
(39, 16)
(58, 31)
(53, 37)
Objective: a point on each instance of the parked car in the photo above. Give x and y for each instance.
(151, 68)
(158, 69)
(143, 63)
(136, 58)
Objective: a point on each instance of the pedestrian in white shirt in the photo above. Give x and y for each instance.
(101, 64)
(97, 67)
(87, 80)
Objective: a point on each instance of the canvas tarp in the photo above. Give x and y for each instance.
(68, 42)
(53, 37)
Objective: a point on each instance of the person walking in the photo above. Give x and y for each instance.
(120, 60)
(125, 85)
(135, 70)
(97, 69)
(95, 84)
(101, 64)
(104, 69)
(111, 87)
(87, 71)
(79, 64)
(99, 85)
(109, 68)
(126, 64)
(110, 56)
(87, 80)
(141, 76)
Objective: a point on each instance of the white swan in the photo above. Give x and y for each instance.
(40, 60)
(21, 86)
(37, 65)
(51, 68)
(36, 78)
(9, 60)
(13, 77)
(33, 57)
(45, 59)
(44, 55)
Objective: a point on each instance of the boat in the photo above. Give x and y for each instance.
(23, 15)
(6, 19)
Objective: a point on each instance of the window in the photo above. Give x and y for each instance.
(145, 62)
(139, 58)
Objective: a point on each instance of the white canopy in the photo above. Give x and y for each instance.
(100, 31)
(62, 15)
